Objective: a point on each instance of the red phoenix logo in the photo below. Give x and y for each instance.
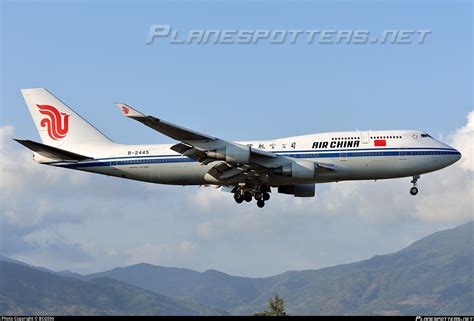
(57, 123)
(125, 110)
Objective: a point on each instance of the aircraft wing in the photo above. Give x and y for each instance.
(235, 162)
(194, 145)
(164, 127)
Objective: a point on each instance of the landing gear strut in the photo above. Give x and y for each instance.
(414, 189)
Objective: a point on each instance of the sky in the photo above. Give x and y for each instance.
(93, 53)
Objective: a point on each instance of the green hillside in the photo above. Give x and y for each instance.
(27, 291)
(211, 288)
(435, 275)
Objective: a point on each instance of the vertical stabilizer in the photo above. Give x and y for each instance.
(57, 124)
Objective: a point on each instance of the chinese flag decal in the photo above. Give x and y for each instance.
(380, 142)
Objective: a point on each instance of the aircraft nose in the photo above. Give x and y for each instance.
(457, 155)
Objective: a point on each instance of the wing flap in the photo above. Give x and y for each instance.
(217, 170)
(193, 153)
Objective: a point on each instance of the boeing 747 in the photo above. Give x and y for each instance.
(250, 169)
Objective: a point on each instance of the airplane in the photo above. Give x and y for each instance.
(249, 169)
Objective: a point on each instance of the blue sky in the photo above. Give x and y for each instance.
(92, 54)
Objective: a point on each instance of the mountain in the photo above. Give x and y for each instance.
(29, 291)
(211, 288)
(70, 274)
(7, 259)
(434, 275)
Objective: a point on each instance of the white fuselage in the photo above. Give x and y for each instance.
(356, 155)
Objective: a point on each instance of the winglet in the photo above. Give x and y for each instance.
(128, 111)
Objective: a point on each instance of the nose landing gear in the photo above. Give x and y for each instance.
(414, 189)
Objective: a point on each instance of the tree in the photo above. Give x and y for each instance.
(276, 308)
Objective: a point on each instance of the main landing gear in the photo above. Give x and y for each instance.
(240, 196)
(414, 189)
(260, 194)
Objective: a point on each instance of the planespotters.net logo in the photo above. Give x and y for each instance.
(285, 36)
(458, 318)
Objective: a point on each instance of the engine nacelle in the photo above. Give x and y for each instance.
(298, 190)
(297, 169)
(231, 154)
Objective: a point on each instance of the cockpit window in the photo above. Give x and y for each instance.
(425, 135)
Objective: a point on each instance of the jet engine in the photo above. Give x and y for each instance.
(231, 154)
(297, 169)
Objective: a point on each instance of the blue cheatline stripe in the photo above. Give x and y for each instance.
(284, 153)
(360, 149)
(298, 151)
(119, 161)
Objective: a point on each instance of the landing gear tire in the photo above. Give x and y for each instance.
(413, 190)
(247, 196)
(258, 196)
(260, 203)
(266, 196)
(239, 198)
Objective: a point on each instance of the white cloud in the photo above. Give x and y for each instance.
(205, 230)
(39, 204)
(161, 254)
(463, 140)
(17, 168)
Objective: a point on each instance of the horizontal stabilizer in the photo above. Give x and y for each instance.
(52, 152)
